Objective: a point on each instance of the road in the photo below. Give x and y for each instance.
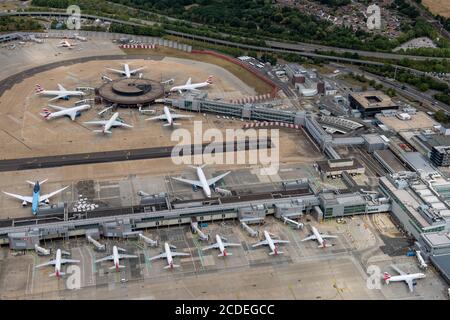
(305, 49)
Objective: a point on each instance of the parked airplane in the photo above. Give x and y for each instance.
(61, 93)
(57, 262)
(169, 117)
(298, 225)
(202, 182)
(319, 237)
(108, 124)
(116, 256)
(72, 112)
(168, 254)
(192, 87)
(126, 70)
(66, 44)
(37, 199)
(221, 246)
(408, 278)
(147, 240)
(272, 243)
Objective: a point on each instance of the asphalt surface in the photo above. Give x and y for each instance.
(119, 155)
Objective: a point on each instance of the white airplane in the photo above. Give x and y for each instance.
(221, 246)
(126, 70)
(192, 87)
(66, 44)
(202, 181)
(37, 199)
(61, 93)
(108, 124)
(271, 243)
(408, 278)
(168, 254)
(57, 262)
(72, 112)
(78, 37)
(298, 225)
(169, 117)
(116, 256)
(319, 237)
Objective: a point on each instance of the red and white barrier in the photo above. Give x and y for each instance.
(271, 125)
(138, 46)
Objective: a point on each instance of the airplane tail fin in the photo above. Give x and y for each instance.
(39, 88)
(54, 274)
(325, 245)
(224, 254)
(118, 267)
(209, 80)
(102, 131)
(45, 113)
(166, 124)
(176, 124)
(170, 266)
(386, 277)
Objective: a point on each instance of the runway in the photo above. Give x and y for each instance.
(122, 155)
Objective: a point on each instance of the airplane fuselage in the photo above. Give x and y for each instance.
(116, 258)
(190, 86)
(168, 115)
(221, 246)
(58, 263)
(272, 246)
(405, 277)
(36, 195)
(66, 112)
(110, 122)
(58, 92)
(319, 238)
(168, 254)
(203, 182)
(127, 70)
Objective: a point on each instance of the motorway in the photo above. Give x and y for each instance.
(305, 49)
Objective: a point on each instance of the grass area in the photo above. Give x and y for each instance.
(440, 7)
(247, 77)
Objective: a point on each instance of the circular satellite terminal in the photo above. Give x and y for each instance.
(131, 92)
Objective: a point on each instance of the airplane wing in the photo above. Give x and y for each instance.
(115, 70)
(49, 195)
(17, 196)
(111, 257)
(188, 82)
(73, 115)
(161, 117)
(127, 256)
(99, 122)
(69, 261)
(213, 246)
(215, 179)
(61, 88)
(178, 116)
(327, 236)
(191, 182)
(159, 256)
(57, 97)
(261, 243)
(174, 254)
(136, 70)
(410, 285)
(50, 263)
(57, 107)
(280, 241)
(398, 270)
(311, 237)
(121, 124)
